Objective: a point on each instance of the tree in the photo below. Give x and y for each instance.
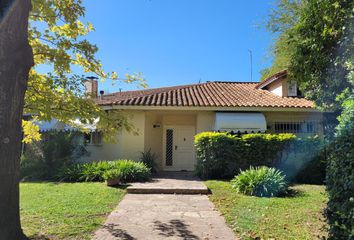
(57, 36)
(15, 61)
(318, 45)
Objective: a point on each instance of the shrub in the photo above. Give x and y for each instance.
(94, 171)
(149, 159)
(43, 159)
(72, 173)
(260, 182)
(130, 171)
(112, 174)
(304, 161)
(214, 151)
(340, 186)
(222, 155)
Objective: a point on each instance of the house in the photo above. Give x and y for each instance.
(167, 118)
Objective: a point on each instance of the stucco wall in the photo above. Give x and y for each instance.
(154, 135)
(276, 88)
(205, 121)
(128, 145)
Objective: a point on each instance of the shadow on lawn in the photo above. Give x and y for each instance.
(292, 193)
(175, 227)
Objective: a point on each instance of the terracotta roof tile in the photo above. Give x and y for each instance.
(210, 94)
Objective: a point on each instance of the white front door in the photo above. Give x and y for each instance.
(179, 153)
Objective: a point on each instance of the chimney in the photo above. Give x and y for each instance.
(91, 87)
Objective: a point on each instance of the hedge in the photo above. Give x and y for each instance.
(222, 155)
(340, 186)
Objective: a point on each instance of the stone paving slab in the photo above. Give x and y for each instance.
(170, 183)
(161, 216)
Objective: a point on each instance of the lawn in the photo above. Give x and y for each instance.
(65, 210)
(296, 217)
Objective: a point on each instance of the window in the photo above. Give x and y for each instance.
(287, 127)
(93, 138)
(296, 127)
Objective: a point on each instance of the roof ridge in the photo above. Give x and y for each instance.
(152, 89)
(242, 82)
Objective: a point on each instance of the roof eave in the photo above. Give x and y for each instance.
(271, 79)
(213, 108)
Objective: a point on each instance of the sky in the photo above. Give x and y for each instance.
(175, 42)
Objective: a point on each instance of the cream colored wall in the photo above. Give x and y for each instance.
(154, 136)
(276, 88)
(128, 145)
(205, 121)
(279, 88)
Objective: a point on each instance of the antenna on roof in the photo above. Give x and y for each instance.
(251, 60)
(200, 80)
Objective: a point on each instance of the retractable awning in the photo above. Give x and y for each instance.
(240, 122)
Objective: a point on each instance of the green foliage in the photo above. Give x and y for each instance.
(340, 186)
(304, 161)
(221, 155)
(132, 171)
(318, 44)
(57, 35)
(260, 182)
(320, 56)
(112, 174)
(43, 159)
(94, 171)
(129, 171)
(149, 159)
(214, 151)
(292, 217)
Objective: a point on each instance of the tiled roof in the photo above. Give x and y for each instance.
(209, 94)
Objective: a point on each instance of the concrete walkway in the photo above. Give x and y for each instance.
(165, 216)
(169, 183)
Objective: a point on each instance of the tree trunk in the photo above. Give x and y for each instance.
(16, 59)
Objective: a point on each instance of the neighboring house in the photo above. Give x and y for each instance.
(168, 118)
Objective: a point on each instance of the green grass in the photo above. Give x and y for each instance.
(65, 210)
(296, 217)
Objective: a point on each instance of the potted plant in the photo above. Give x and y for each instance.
(112, 177)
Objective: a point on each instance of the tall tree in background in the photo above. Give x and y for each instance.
(315, 42)
(16, 59)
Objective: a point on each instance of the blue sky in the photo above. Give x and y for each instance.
(175, 42)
